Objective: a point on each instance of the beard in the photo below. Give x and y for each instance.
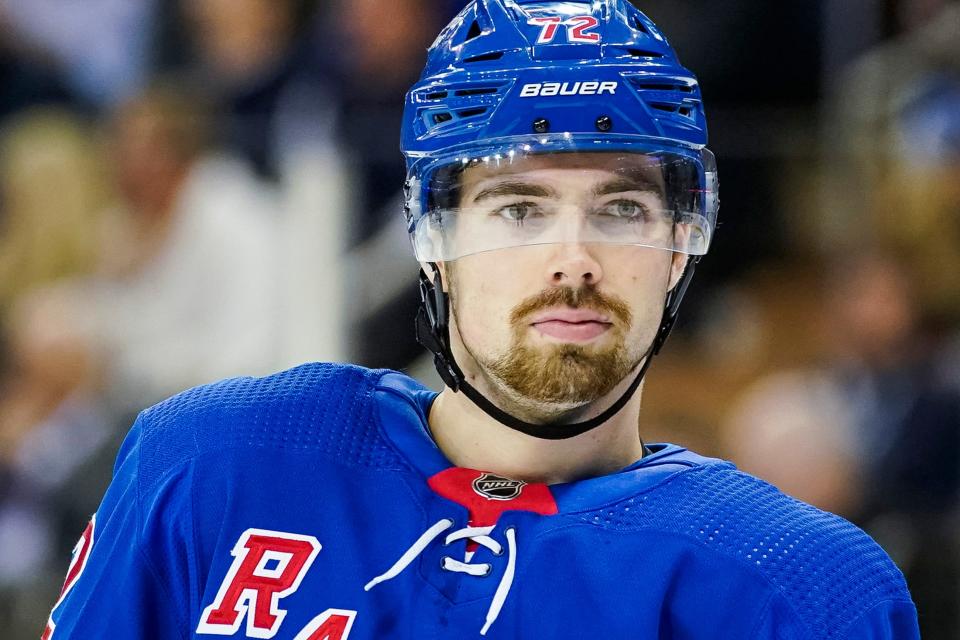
(563, 375)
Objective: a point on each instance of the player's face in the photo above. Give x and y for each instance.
(553, 327)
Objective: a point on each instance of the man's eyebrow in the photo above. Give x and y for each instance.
(621, 184)
(515, 188)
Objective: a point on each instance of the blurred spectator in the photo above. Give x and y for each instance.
(188, 292)
(379, 50)
(102, 46)
(895, 115)
(794, 429)
(254, 58)
(258, 65)
(53, 189)
(893, 105)
(50, 422)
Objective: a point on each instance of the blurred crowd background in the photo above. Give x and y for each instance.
(195, 189)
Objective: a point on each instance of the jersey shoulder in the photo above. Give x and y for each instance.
(318, 407)
(826, 569)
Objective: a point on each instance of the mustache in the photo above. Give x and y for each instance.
(582, 297)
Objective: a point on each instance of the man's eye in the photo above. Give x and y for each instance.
(629, 210)
(517, 212)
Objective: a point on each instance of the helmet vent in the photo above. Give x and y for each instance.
(473, 32)
(682, 110)
(652, 86)
(433, 118)
(479, 91)
(493, 55)
(436, 95)
(639, 26)
(641, 53)
(677, 96)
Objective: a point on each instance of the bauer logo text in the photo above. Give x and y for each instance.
(550, 89)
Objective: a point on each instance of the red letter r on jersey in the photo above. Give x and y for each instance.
(253, 589)
(81, 553)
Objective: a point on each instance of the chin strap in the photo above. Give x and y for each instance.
(434, 334)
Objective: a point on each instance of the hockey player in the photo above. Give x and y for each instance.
(559, 195)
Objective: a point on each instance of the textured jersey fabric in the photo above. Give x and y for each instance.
(313, 505)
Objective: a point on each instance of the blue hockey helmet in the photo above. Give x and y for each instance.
(511, 80)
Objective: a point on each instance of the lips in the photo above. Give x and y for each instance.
(570, 315)
(571, 325)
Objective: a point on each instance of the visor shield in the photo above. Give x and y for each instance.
(531, 194)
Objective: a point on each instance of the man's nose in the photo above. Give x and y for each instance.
(572, 264)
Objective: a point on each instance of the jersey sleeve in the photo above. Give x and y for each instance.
(886, 620)
(114, 588)
(889, 620)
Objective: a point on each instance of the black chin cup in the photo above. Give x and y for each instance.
(432, 330)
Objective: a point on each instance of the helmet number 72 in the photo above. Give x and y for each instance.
(577, 28)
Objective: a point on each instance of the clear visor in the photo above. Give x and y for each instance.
(478, 203)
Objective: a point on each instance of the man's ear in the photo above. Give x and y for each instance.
(678, 265)
(680, 260)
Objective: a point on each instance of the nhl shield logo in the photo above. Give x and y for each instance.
(497, 487)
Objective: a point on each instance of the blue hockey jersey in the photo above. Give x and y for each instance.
(313, 505)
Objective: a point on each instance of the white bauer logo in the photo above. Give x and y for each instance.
(548, 89)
